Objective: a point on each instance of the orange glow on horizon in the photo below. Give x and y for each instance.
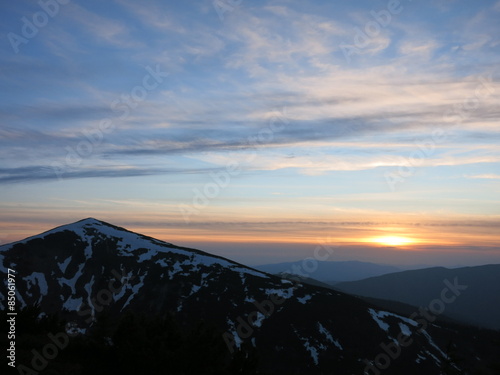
(373, 232)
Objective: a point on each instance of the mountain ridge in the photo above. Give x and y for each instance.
(479, 305)
(331, 272)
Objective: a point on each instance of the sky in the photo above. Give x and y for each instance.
(257, 130)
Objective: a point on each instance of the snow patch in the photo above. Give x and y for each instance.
(405, 330)
(88, 289)
(242, 269)
(258, 321)
(284, 293)
(194, 289)
(378, 316)
(88, 249)
(176, 268)
(147, 255)
(420, 358)
(303, 300)
(124, 281)
(378, 319)
(232, 330)
(161, 262)
(37, 278)
(72, 282)
(312, 350)
(63, 265)
(436, 359)
(135, 289)
(73, 330)
(429, 338)
(73, 304)
(329, 336)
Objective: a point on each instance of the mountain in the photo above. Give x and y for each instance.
(91, 272)
(331, 272)
(400, 308)
(303, 279)
(479, 302)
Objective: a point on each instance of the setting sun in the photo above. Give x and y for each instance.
(393, 240)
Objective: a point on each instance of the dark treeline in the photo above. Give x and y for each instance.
(135, 344)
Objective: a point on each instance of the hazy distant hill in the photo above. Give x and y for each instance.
(332, 272)
(478, 304)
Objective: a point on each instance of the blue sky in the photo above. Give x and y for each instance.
(237, 126)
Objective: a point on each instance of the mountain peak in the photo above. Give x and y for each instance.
(91, 220)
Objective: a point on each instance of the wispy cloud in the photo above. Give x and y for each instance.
(103, 29)
(488, 176)
(46, 173)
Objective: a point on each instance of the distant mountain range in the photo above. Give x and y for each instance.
(478, 304)
(331, 272)
(91, 269)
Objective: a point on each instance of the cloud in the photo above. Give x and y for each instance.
(45, 173)
(352, 161)
(103, 29)
(153, 15)
(267, 40)
(415, 48)
(487, 176)
(229, 78)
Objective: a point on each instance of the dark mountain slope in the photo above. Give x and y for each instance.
(478, 304)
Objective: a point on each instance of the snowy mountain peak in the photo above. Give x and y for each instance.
(91, 221)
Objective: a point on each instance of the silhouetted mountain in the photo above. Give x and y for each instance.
(102, 279)
(478, 303)
(331, 272)
(302, 279)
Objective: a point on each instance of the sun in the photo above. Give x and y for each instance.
(393, 240)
